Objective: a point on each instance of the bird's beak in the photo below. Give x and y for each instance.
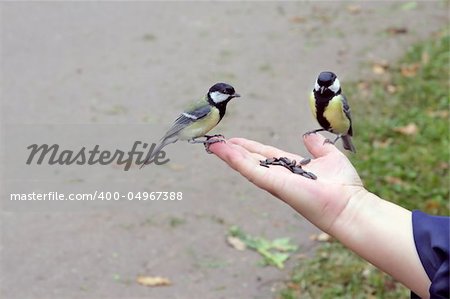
(322, 89)
(236, 95)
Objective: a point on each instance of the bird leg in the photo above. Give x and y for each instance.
(313, 132)
(334, 141)
(195, 140)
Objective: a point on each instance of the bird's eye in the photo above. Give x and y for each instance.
(228, 91)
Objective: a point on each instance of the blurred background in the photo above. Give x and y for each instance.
(111, 73)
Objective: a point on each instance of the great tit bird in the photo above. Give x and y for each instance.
(330, 107)
(199, 118)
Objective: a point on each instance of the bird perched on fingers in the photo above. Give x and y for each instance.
(330, 108)
(199, 118)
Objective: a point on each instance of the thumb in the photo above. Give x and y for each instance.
(315, 143)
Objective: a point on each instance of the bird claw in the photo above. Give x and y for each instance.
(313, 132)
(211, 140)
(309, 133)
(328, 141)
(332, 142)
(214, 136)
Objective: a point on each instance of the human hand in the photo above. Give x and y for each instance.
(377, 230)
(321, 201)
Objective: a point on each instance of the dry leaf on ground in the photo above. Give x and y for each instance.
(236, 243)
(409, 130)
(409, 70)
(322, 237)
(397, 30)
(153, 281)
(379, 68)
(354, 8)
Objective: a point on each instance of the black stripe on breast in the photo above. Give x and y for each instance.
(222, 107)
(321, 104)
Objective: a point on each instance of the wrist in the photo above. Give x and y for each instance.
(381, 233)
(346, 222)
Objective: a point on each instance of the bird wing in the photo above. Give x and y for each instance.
(196, 112)
(347, 112)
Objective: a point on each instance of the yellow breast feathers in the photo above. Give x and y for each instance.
(336, 116)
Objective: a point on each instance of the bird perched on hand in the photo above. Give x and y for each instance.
(199, 118)
(330, 107)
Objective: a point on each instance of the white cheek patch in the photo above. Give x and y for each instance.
(316, 86)
(335, 86)
(218, 97)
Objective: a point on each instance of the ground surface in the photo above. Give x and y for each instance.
(112, 73)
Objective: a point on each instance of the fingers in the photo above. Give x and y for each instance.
(315, 143)
(264, 150)
(238, 158)
(247, 164)
(316, 146)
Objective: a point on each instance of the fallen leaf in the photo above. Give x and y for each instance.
(443, 166)
(409, 70)
(293, 286)
(236, 243)
(354, 9)
(153, 281)
(438, 113)
(367, 271)
(409, 130)
(363, 85)
(394, 180)
(396, 30)
(148, 37)
(389, 285)
(432, 205)
(176, 166)
(301, 256)
(382, 143)
(269, 250)
(274, 258)
(380, 68)
(283, 244)
(391, 88)
(297, 20)
(322, 237)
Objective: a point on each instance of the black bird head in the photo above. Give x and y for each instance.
(327, 84)
(221, 92)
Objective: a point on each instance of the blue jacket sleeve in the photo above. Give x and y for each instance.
(432, 240)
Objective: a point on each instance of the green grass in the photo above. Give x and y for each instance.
(336, 272)
(408, 168)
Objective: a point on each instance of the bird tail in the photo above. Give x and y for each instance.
(164, 142)
(348, 144)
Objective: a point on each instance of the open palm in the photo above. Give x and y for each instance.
(322, 200)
